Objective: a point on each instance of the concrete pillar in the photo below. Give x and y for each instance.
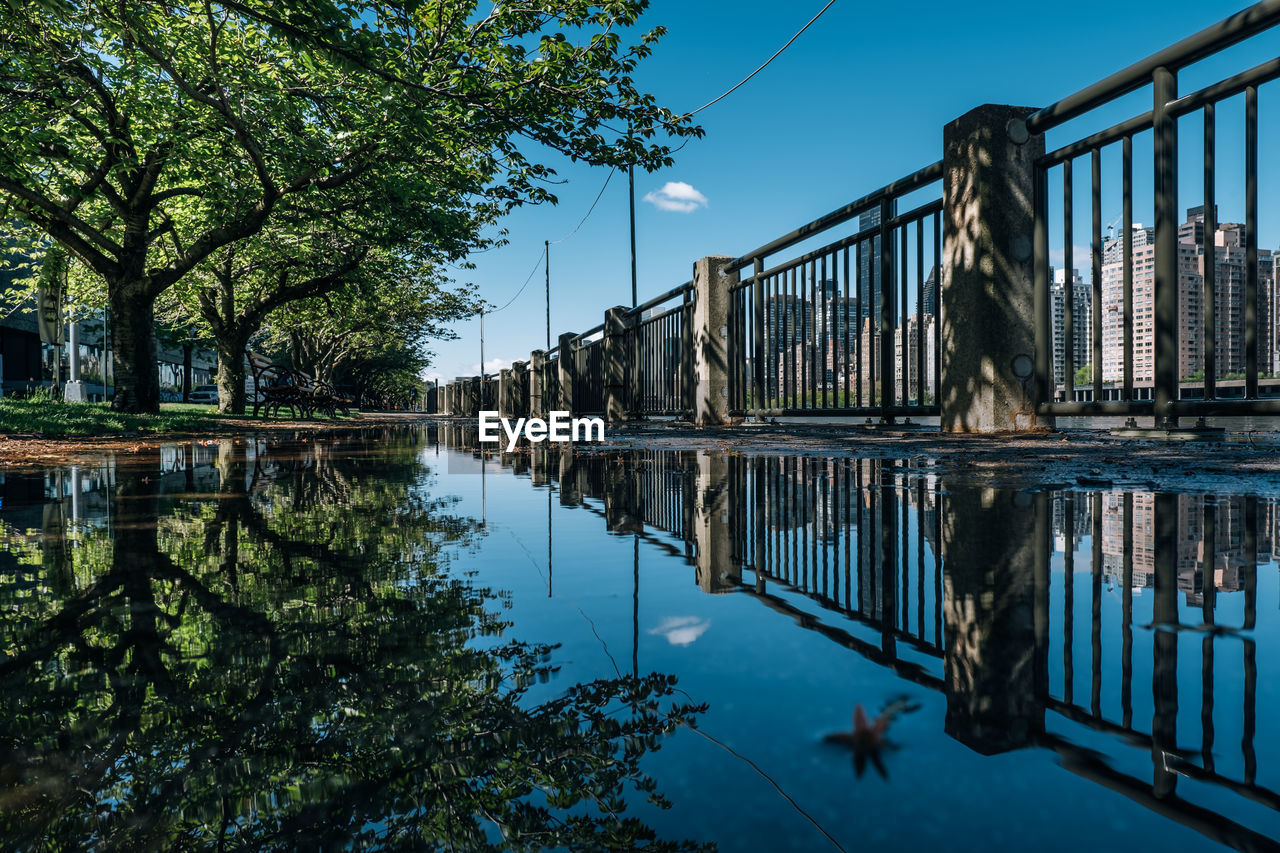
(520, 389)
(987, 313)
(567, 366)
(506, 393)
(619, 329)
(710, 338)
(716, 570)
(990, 544)
(537, 363)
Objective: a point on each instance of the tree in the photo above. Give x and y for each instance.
(371, 333)
(147, 136)
(1084, 376)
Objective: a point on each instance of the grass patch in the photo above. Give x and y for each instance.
(57, 419)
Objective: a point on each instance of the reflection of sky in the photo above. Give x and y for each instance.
(775, 688)
(681, 630)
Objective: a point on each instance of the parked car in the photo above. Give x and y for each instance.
(204, 394)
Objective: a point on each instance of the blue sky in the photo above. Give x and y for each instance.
(858, 101)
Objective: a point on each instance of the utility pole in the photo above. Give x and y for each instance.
(482, 346)
(546, 263)
(631, 195)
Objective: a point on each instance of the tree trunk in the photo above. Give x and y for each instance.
(186, 372)
(134, 355)
(231, 376)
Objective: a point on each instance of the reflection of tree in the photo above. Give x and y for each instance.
(255, 669)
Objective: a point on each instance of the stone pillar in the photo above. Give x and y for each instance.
(619, 328)
(520, 389)
(567, 366)
(988, 304)
(506, 393)
(989, 547)
(710, 338)
(537, 363)
(716, 570)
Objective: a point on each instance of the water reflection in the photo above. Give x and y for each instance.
(1116, 629)
(243, 644)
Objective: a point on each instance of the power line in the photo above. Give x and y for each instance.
(766, 62)
(536, 264)
(608, 178)
(581, 222)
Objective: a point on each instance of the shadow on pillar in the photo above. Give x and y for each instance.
(990, 542)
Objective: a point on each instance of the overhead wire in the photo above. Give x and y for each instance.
(765, 64)
(541, 254)
(609, 177)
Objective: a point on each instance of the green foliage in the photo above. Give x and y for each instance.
(1084, 376)
(147, 136)
(269, 654)
(42, 414)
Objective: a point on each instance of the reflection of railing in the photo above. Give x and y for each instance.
(971, 599)
(1172, 544)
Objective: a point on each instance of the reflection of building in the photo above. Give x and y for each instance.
(1227, 563)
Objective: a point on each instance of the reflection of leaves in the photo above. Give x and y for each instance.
(283, 663)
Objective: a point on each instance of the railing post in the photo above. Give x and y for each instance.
(567, 367)
(758, 366)
(506, 396)
(475, 396)
(519, 389)
(1164, 134)
(710, 338)
(888, 312)
(988, 298)
(537, 387)
(619, 328)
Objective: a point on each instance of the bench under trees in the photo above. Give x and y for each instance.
(277, 386)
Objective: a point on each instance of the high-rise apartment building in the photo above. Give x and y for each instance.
(1081, 318)
(1229, 302)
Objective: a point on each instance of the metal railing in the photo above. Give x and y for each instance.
(1160, 332)
(588, 373)
(852, 327)
(661, 362)
(551, 379)
(848, 328)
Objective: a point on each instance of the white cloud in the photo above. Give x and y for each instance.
(681, 630)
(491, 366)
(676, 196)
